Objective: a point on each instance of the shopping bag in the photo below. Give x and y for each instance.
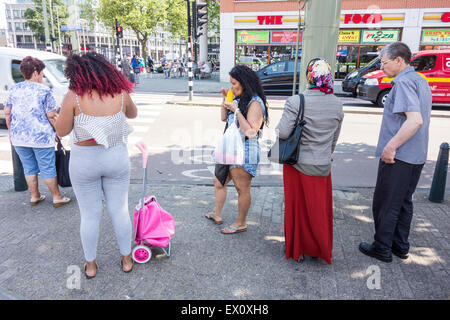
(230, 148)
(62, 157)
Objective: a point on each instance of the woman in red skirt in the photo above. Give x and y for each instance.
(308, 221)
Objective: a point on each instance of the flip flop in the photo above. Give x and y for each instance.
(210, 217)
(234, 229)
(33, 203)
(59, 203)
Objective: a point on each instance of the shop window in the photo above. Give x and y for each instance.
(367, 54)
(424, 63)
(15, 71)
(280, 53)
(255, 57)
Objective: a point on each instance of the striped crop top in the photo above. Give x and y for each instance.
(108, 131)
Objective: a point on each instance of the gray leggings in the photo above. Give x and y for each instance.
(95, 170)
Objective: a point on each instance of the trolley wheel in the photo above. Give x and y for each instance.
(141, 254)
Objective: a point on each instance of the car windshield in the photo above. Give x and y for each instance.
(373, 61)
(56, 68)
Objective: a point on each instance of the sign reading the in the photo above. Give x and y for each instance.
(366, 18)
(380, 36)
(252, 37)
(270, 19)
(436, 36)
(349, 36)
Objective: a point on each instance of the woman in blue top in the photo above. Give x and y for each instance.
(250, 107)
(30, 112)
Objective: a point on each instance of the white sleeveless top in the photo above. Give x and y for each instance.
(108, 131)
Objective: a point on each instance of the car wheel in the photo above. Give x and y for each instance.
(382, 98)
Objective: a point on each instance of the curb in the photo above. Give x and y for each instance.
(346, 109)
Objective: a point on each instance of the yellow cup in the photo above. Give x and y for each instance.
(230, 96)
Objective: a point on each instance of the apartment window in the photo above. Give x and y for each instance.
(8, 14)
(19, 39)
(18, 25)
(28, 39)
(9, 26)
(16, 13)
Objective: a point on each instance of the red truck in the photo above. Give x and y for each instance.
(433, 65)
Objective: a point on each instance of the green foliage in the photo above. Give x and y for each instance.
(88, 11)
(35, 19)
(143, 16)
(214, 16)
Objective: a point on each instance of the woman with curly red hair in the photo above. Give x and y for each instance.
(95, 111)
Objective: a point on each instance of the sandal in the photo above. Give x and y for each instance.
(211, 217)
(233, 230)
(33, 203)
(96, 266)
(59, 203)
(132, 264)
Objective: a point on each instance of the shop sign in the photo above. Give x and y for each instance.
(365, 18)
(349, 36)
(436, 36)
(446, 17)
(252, 37)
(285, 37)
(380, 36)
(270, 19)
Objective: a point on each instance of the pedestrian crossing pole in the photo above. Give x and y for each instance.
(190, 75)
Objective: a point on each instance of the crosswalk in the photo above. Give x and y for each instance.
(149, 109)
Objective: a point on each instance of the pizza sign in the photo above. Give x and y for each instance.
(380, 36)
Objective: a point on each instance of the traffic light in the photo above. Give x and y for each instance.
(200, 17)
(119, 31)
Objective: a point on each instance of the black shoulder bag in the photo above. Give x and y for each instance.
(285, 151)
(62, 157)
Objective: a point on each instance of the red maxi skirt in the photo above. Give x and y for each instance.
(308, 217)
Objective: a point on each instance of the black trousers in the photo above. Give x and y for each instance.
(392, 204)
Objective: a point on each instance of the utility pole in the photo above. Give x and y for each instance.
(299, 30)
(46, 31)
(73, 21)
(59, 31)
(320, 34)
(190, 80)
(53, 29)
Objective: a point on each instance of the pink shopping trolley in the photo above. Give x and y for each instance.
(153, 226)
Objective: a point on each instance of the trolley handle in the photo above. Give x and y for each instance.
(143, 148)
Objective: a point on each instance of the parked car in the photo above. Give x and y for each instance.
(10, 59)
(433, 65)
(277, 78)
(352, 80)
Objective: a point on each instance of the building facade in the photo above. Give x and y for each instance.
(14, 33)
(261, 32)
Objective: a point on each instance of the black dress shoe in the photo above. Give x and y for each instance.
(399, 253)
(369, 250)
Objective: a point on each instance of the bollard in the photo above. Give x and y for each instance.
(440, 175)
(20, 184)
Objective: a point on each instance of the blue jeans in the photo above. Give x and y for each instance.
(37, 160)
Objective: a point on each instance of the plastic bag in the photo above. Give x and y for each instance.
(230, 148)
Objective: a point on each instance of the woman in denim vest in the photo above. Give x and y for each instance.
(250, 108)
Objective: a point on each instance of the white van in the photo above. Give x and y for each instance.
(10, 59)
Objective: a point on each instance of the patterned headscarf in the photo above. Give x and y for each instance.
(318, 75)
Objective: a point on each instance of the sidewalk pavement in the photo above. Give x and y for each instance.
(40, 251)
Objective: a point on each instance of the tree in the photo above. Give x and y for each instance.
(88, 11)
(214, 16)
(144, 16)
(35, 19)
